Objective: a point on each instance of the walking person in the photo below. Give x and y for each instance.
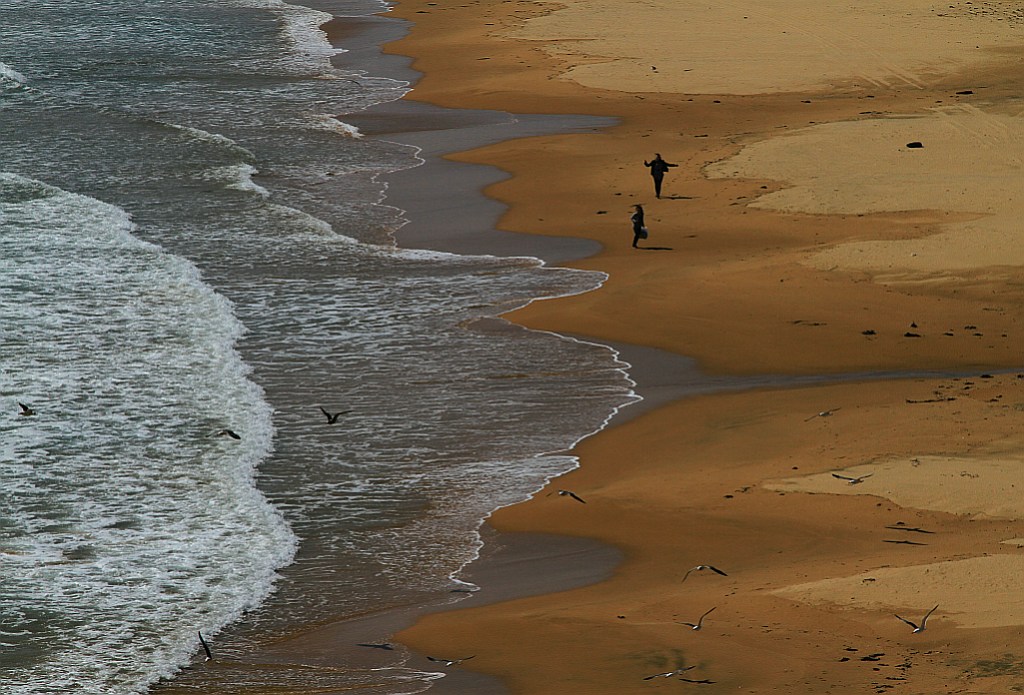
(639, 230)
(658, 168)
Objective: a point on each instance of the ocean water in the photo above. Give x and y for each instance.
(192, 240)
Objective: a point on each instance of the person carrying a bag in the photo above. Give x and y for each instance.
(639, 230)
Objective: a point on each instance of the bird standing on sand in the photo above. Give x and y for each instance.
(853, 480)
(570, 493)
(701, 568)
(333, 418)
(25, 410)
(669, 674)
(924, 621)
(450, 662)
(700, 621)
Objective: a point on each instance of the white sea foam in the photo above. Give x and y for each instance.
(9, 74)
(128, 524)
(312, 225)
(207, 136)
(304, 32)
(300, 26)
(237, 177)
(325, 122)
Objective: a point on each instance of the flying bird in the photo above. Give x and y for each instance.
(206, 647)
(853, 480)
(25, 410)
(333, 418)
(823, 413)
(570, 493)
(701, 568)
(228, 433)
(669, 674)
(913, 529)
(700, 621)
(924, 621)
(450, 662)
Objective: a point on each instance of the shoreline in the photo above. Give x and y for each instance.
(554, 562)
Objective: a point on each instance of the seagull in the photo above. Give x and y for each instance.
(229, 433)
(914, 529)
(669, 674)
(924, 620)
(25, 410)
(331, 419)
(700, 621)
(570, 493)
(823, 413)
(206, 647)
(701, 568)
(382, 645)
(853, 481)
(450, 662)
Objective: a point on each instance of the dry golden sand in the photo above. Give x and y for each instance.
(757, 47)
(798, 235)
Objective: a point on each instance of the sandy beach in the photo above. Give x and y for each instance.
(844, 206)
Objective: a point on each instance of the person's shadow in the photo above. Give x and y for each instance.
(678, 197)
(655, 248)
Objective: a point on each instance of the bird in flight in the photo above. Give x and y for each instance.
(823, 413)
(570, 493)
(700, 621)
(228, 433)
(25, 410)
(913, 529)
(701, 568)
(333, 418)
(669, 674)
(853, 480)
(206, 647)
(450, 662)
(924, 621)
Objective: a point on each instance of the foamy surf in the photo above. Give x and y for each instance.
(9, 74)
(128, 523)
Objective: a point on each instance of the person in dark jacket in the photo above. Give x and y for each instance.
(658, 168)
(637, 218)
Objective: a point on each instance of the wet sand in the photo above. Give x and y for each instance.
(800, 235)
